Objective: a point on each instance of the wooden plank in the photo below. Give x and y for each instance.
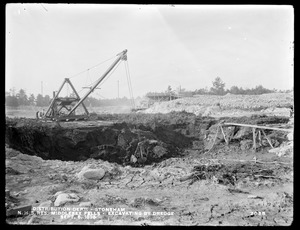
(257, 126)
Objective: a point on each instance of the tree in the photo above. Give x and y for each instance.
(31, 99)
(11, 101)
(261, 90)
(218, 87)
(201, 91)
(39, 100)
(169, 90)
(12, 91)
(234, 90)
(22, 97)
(46, 100)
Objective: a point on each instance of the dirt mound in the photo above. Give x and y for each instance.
(213, 105)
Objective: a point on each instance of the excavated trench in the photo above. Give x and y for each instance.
(135, 139)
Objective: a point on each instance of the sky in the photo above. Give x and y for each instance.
(184, 46)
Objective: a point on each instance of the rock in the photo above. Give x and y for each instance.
(290, 136)
(121, 141)
(94, 174)
(152, 202)
(142, 201)
(85, 204)
(65, 198)
(133, 159)
(246, 144)
(12, 171)
(138, 202)
(285, 149)
(159, 151)
(91, 174)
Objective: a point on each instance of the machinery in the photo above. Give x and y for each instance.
(64, 108)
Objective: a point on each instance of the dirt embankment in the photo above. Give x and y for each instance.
(148, 139)
(142, 140)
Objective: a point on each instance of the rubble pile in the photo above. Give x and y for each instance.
(287, 147)
(234, 174)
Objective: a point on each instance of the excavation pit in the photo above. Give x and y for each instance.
(136, 139)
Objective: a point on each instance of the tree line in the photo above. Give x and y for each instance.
(20, 98)
(218, 88)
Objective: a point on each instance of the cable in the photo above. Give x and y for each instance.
(109, 74)
(127, 81)
(131, 91)
(87, 76)
(129, 84)
(90, 68)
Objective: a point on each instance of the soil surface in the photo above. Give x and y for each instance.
(158, 194)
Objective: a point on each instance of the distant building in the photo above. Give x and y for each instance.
(162, 96)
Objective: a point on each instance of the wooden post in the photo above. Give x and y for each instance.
(214, 140)
(224, 135)
(270, 143)
(254, 139)
(259, 138)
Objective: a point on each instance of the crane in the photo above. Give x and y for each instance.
(54, 110)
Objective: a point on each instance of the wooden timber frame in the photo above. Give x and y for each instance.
(256, 130)
(57, 104)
